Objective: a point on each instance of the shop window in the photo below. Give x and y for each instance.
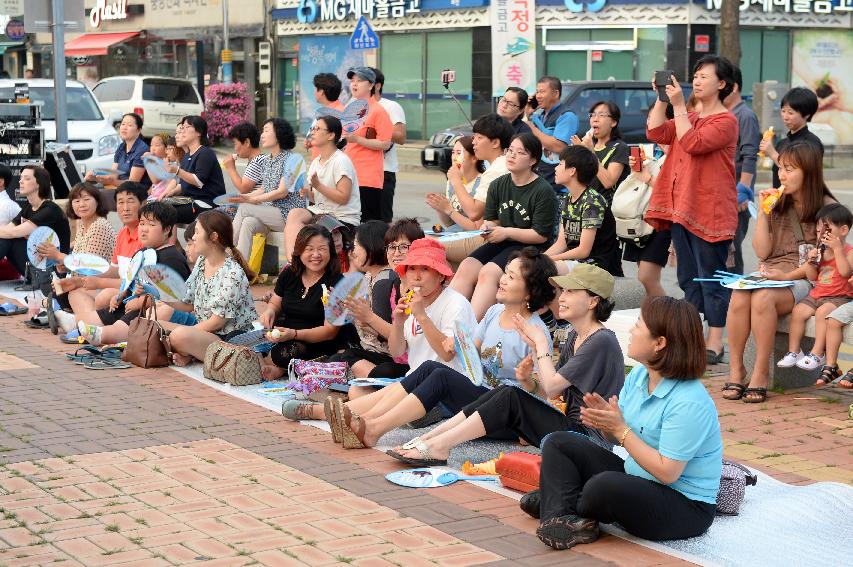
(160, 90)
(114, 89)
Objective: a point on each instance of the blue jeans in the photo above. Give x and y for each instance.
(698, 258)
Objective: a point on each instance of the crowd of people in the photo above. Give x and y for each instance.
(532, 197)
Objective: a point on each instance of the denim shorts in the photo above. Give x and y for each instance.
(183, 318)
(800, 289)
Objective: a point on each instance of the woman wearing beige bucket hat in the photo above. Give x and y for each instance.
(591, 361)
(423, 319)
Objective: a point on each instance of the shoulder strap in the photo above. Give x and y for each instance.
(796, 226)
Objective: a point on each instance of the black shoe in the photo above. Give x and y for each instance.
(530, 503)
(567, 531)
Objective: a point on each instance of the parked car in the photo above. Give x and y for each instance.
(634, 99)
(160, 101)
(91, 134)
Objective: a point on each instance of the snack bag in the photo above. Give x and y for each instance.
(770, 199)
(487, 468)
(768, 134)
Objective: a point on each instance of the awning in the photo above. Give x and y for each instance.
(4, 45)
(95, 43)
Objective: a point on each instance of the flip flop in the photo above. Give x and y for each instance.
(7, 309)
(105, 364)
(426, 459)
(37, 322)
(73, 338)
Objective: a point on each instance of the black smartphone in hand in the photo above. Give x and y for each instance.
(662, 79)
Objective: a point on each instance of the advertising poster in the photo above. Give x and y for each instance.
(821, 62)
(513, 45)
(327, 54)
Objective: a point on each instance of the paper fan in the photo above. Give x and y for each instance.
(467, 352)
(431, 478)
(41, 235)
(168, 283)
(352, 285)
(86, 264)
(156, 168)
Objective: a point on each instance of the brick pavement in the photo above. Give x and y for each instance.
(150, 467)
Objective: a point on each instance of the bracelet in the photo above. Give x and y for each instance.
(535, 385)
(680, 114)
(295, 334)
(624, 435)
(542, 356)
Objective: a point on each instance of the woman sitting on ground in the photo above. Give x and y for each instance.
(39, 210)
(463, 179)
(523, 289)
(591, 361)
(666, 421)
(296, 310)
(218, 292)
(331, 187)
(776, 240)
(520, 211)
(95, 235)
(265, 209)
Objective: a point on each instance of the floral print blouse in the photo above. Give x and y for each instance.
(225, 294)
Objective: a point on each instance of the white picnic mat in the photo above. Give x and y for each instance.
(779, 524)
(7, 289)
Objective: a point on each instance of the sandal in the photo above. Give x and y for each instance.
(759, 395)
(828, 375)
(101, 363)
(735, 387)
(426, 459)
(7, 309)
(715, 358)
(350, 438)
(331, 412)
(846, 381)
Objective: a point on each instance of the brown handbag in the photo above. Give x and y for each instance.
(147, 341)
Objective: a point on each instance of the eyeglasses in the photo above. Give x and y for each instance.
(509, 103)
(317, 129)
(599, 115)
(399, 248)
(519, 153)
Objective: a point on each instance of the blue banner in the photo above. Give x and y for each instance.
(327, 54)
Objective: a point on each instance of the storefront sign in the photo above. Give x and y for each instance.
(577, 6)
(310, 11)
(820, 61)
(790, 6)
(513, 45)
(104, 11)
(15, 30)
(702, 43)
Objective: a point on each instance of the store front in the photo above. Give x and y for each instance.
(175, 38)
(418, 39)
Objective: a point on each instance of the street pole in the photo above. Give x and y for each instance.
(226, 52)
(58, 26)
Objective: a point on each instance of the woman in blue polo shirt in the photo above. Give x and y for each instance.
(127, 160)
(665, 419)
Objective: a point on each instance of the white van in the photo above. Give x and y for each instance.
(160, 101)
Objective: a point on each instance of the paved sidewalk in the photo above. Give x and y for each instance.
(149, 467)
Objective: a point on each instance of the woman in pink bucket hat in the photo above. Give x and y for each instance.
(423, 320)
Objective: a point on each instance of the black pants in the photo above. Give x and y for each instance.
(742, 226)
(371, 203)
(509, 413)
(283, 353)
(188, 213)
(581, 478)
(384, 365)
(386, 199)
(433, 382)
(15, 250)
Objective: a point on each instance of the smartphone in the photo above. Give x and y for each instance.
(448, 76)
(662, 79)
(638, 160)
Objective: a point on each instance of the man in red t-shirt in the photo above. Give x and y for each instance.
(366, 146)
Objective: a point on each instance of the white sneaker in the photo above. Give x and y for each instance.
(811, 362)
(790, 359)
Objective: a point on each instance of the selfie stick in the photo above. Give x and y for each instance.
(453, 96)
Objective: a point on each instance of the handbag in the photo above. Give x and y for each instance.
(733, 482)
(519, 470)
(237, 365)
(147, 341)
(309, 376)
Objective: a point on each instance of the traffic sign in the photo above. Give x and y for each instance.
(363, 37)
(15, 30)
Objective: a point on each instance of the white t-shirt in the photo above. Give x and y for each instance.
(450, 306)
(9, 209)
(397, 116)
(496, 169)
(339, 165)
